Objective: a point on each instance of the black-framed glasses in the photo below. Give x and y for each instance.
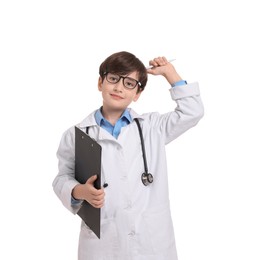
(128, 82)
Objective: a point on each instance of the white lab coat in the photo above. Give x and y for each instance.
(136, 221)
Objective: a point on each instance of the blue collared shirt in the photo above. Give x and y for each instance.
(114, 130)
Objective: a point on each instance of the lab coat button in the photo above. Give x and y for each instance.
(132, 233)
(129, 205)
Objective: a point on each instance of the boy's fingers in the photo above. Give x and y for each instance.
(97, 202)
(92, 179)
(98, 194)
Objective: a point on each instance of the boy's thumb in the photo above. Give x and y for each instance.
(92, 179)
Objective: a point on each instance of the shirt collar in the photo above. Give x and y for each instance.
(90, 120)
(99, 117)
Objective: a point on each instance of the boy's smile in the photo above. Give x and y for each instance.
(115, 96)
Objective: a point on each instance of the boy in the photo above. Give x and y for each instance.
(135, 210)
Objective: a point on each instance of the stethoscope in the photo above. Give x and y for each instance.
(146, 177)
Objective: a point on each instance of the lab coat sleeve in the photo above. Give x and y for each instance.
(65, 181)
(188, 112)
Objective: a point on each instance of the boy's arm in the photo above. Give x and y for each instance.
(64, 182)
(189, 108)
(67, 188)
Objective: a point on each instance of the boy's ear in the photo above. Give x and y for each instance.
(100, 84)
(138, 94)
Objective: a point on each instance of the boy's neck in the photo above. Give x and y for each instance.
(111, 115)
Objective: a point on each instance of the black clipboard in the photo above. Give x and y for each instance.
(87, 164)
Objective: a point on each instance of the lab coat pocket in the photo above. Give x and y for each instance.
(96, 248)
(159, 226)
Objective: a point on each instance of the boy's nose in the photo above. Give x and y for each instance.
(119, 85)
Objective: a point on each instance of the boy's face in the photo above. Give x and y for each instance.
(116, 96)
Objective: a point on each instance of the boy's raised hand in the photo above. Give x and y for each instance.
(161, 66)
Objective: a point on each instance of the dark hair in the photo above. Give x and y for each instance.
(123, 63)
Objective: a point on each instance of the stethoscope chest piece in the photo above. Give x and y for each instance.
(147, 178)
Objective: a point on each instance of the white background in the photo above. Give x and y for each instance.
(50, 52)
